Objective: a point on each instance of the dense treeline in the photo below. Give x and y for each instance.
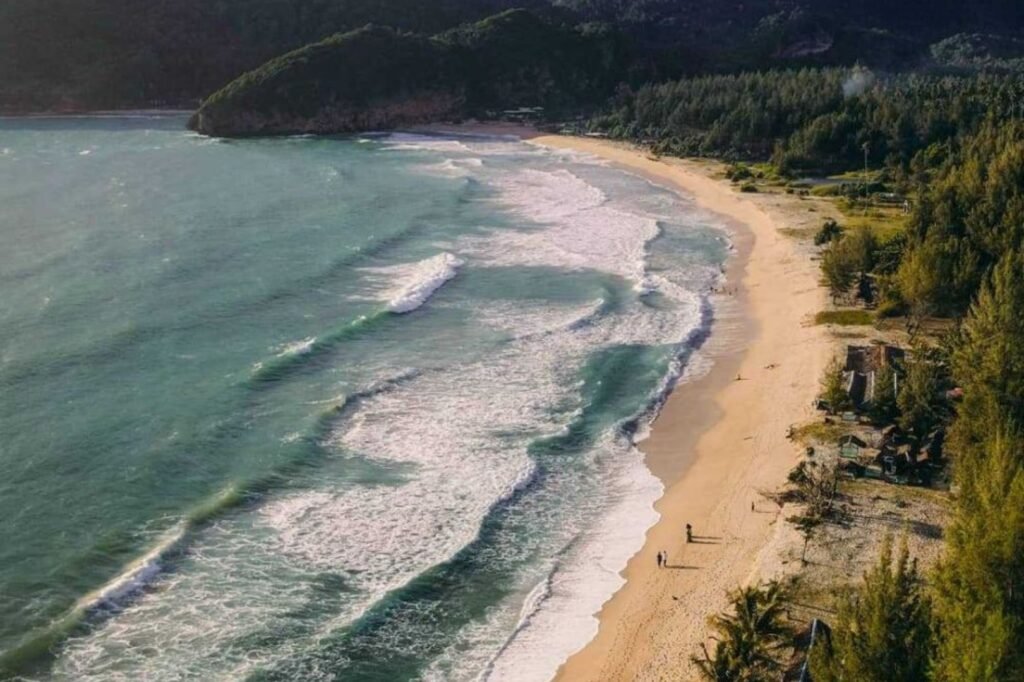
(970, 215)
(810, 119)
(954, 145)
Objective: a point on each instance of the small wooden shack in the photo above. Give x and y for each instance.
(860, 372)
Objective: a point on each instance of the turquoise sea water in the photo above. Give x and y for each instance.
(313, 408)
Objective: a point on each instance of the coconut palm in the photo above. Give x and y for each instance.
(750, 639)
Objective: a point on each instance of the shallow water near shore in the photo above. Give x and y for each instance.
(309, 408)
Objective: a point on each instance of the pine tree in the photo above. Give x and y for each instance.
(882, 632)
(919, 395)
(980, 583)
(833, 391)
(884, 408)
(920, 278)
(988, 361)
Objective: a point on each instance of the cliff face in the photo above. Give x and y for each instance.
(375, 78)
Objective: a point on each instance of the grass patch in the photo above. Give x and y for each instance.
(867, 488)
(799, 233)
(857, 176)
(846, 318)
(825, 191)
(885, 221)
(819, 432)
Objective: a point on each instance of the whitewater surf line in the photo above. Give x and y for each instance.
(139, 573)
(431, 273)
(428, 276)
(357, 646)
(114, 594)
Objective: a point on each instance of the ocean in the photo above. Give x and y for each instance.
(360, 408)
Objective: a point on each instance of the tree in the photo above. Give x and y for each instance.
(920, 279)
(919, 395)
(980, 584)
(750, 639)
(862, 246)
(806, 525)
(830, 231)
(988, 360)
(882, 631)
(884, 408)
(839, 268)
(833, 390)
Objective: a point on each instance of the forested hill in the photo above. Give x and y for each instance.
(89, 54)
(95, 54)
(377, 78)
(748, 33)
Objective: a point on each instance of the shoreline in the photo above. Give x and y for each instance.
(717, 441)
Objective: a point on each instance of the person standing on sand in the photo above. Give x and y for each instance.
(689, 533)
(659, 559)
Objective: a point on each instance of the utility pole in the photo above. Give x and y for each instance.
(867, 150)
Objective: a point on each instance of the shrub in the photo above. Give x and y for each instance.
(830, 231)
(844, 317)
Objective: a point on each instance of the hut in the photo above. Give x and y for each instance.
(860, 372)
(850, 447)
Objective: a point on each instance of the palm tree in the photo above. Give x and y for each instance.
(749, 640)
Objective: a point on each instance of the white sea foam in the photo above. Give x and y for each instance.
(136, 575)
(583, 230)
(454, 167)
(558, 616)
(300, 347)
(426, 143)
(418, 281)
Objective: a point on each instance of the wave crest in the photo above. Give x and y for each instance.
(427, 277)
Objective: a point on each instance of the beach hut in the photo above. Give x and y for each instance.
(850, 447)
(861, 369)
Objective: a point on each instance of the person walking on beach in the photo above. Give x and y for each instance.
(661, 559)
(689, 533)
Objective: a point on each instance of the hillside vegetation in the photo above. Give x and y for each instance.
(376, 78)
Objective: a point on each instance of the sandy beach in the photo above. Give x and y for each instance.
(721, 438)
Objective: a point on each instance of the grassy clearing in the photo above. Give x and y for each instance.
(845, 318)
(819, 432)
(884, 221)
